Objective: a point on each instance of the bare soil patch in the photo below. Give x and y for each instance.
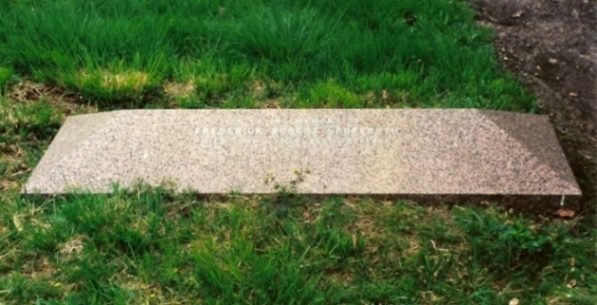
(552, 46)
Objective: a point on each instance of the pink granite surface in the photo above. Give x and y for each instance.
(365, 151)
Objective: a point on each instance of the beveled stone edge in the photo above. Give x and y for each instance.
(568, 174)
(102, 119)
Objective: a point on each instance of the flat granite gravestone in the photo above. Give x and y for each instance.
(411, 152)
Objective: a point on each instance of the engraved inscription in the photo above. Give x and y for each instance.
(318, 131)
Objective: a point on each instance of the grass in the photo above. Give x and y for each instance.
(386, 53)
(150, 246)
(5, 77)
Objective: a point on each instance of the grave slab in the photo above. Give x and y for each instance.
(447, 153)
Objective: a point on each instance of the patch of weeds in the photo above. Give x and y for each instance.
(521, 252)
(510, 243)
(107, 85)
(330, 95)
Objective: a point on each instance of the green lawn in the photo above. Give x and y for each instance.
(149, 246)
(336, 53)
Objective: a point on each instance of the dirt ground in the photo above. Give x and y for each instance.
(551, 45)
